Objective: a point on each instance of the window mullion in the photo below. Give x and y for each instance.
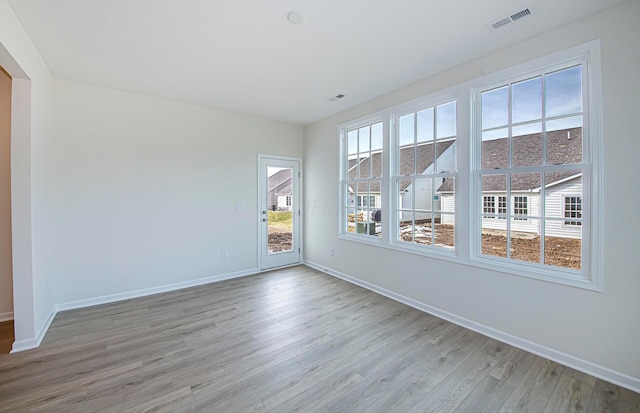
(387, 202)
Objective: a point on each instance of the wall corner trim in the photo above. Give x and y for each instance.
(32, 343)
(604, 373)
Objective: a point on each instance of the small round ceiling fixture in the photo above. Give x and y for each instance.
(295, 17)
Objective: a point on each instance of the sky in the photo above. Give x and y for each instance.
(562, 109)
(563, 98)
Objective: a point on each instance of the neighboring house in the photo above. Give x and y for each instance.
(424, 192)
(563, 190)
(366, 196)
(423, 157)
(280, 190)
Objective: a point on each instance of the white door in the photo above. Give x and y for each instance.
(279, 211)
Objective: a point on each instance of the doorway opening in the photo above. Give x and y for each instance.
(6, 267)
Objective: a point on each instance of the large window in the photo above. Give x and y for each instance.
(424, 176)
(496, 173)
(362, 179)
(531, 141)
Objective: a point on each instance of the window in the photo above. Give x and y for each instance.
(520, 207)
(495, 173)
(530, 139)
(362, 179)
(288, 200)
(573, 210)
(424, 176)
(368, 201)
(489, 205)
(502, 207)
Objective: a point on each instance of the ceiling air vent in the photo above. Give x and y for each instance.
(503, 21)
(336, 97)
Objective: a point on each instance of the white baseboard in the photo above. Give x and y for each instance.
(32, 343)
(6, 316)
(153, 290)
(604, 373)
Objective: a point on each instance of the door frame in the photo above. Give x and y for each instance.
(298, 216)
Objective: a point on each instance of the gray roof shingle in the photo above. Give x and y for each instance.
(563, 147)
(424, 156)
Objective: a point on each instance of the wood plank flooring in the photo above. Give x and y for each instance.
(6, 336)
(292, 340)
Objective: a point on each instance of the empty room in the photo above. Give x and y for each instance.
(336, 206)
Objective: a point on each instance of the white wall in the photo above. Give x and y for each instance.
(600, 328)
(6, 272)
(141, 192)
(31, 120)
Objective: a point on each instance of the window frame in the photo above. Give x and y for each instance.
(434, 101)
(344, 177)
(467, 202)
(588, 56)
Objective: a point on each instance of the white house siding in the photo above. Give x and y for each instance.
(555, 208)
(528, 225)
(448, 202)
(282, 203)
(424, 191)
(424, 200)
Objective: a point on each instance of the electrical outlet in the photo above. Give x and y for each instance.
(240, 208)
(224, 255)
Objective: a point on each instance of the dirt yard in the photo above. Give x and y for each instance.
(560, 252)
(279, 240)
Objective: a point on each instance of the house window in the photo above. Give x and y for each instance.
(520, 207)
(573, 210)
(362, 163)
(530, 140)
(425, 153)
(494, 205)
(489, 206)
(366, 201)
(502, 207)
(288, 200)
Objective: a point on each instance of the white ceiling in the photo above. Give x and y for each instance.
(244, 56)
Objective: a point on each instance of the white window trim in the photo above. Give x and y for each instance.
(467, 220)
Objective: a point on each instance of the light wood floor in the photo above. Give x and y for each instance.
(6, 336)
(288, 340)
